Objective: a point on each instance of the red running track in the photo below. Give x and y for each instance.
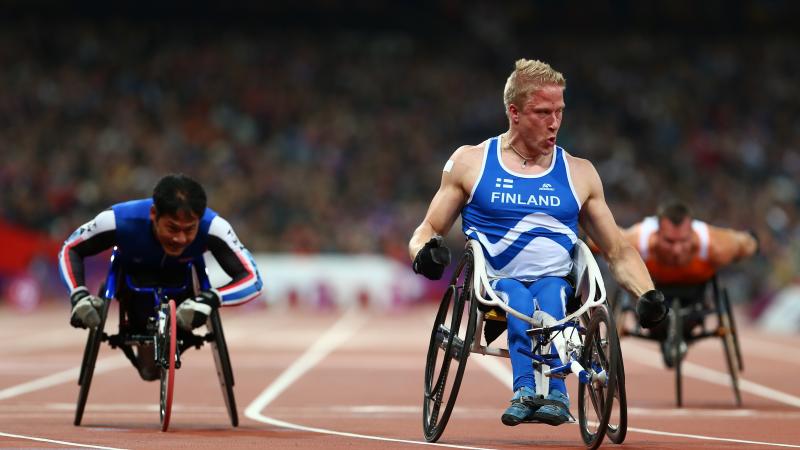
(336, 380)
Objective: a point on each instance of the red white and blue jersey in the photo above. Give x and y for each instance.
(127, 226)
(526, 224)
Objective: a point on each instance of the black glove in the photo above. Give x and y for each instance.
(85, 309)
(651, 309)
(432, 258)
(194, 312)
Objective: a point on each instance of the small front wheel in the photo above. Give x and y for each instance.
(166, 337)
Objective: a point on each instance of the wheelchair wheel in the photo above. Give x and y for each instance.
(618, 420)
(730, 344)
(223, 364)
(727, 305)
(89, 359)
(451, 338)
(601, 357)
(675, 338)
(166, 347)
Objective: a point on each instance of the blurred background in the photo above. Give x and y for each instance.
(320, 128)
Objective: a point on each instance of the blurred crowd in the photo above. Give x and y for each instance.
(335, 141)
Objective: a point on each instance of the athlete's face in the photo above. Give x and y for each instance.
(540, 118)
(674, 242)
(175, 232)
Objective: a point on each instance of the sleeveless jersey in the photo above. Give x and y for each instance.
(128, 227)
(136, 244)
(527, 224)
(698, 270)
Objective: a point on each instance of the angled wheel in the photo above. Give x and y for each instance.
(675, 339)
(601, 357)
(89, 359)
(451, 337)
(730, 344)
(618, 421)
(166, 340)
(223, 364)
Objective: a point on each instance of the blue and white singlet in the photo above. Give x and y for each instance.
(526, 224)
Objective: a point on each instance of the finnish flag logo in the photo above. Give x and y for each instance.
(505, 183)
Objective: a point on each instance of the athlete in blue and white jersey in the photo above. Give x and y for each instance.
(155, 240)
(522, 197)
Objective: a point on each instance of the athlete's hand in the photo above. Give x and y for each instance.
(651, 309)
(85, 308)
(432, 258)
(193, 312)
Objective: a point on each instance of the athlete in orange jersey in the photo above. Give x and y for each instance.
(680, 250)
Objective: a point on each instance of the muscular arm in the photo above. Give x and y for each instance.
(447, 202)
(236, 261)
(596, 219)
(728, 246)
(89, 239)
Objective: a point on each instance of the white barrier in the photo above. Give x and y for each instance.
(331, 280)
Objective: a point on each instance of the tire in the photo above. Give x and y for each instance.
(89, 359)
(618, 421)
(166, 337)
(442, 381)
(734, 332)
(600, 354)
(676, 332)
(223, 364)
(730, 346)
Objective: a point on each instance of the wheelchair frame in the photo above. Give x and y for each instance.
(168, 345)
(683, 306)
(585, 340)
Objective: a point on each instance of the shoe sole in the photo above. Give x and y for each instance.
(551, 419)
(510, 420)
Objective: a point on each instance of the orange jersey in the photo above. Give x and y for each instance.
(698, 270)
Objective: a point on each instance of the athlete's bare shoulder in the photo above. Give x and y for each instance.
(465, 164)
(584, 176)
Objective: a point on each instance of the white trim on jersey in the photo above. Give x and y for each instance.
(486, 144)
(220, 228)
(648, 227)
(103, 222)
(523, 175)
(569, 180)
(701, 228)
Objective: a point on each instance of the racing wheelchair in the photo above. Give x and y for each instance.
(690, 305)
(586, 342)
(162, 333)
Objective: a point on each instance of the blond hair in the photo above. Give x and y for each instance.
(529, 75)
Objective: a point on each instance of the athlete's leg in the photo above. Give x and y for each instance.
(517, 296)
(550, 295)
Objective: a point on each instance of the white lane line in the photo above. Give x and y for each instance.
(350, 322)
(710, 438)
(652, 358)
(65, 376)
(51, 441)
(503, 373)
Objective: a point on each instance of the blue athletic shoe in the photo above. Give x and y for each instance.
(556, 411)
(521, 408)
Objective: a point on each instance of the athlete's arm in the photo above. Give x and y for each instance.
(728, 246)
(596, 219)
(89, 239)
(447, 202)
(236, 261)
